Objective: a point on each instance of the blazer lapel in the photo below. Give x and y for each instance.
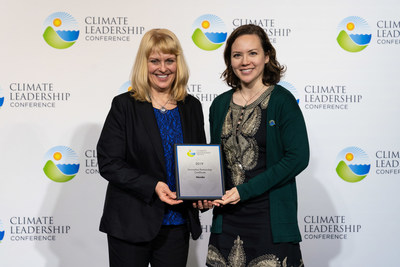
(185, 121)
(146, 114)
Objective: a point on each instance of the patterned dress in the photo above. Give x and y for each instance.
(246, 238)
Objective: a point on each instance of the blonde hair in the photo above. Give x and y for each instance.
(165, 41)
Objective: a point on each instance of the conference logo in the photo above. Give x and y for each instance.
(61, 164)
(1, 97)
(37, 228)
(209, 32)
(272, 27)
(291, 89)
(354, 34)
(2, 231)
(330, 227)
(110, 29)
(330, 97)
(191, 154)
(35, 95)
(353, 164)
(61, 30)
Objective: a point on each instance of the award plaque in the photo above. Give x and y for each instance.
(198, 172)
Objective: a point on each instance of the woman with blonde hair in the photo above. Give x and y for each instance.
(144, 221)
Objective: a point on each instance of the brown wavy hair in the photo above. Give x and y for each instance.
(273, 71)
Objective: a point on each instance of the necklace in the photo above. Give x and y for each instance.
(163, 110)
(241, 116)
(247, 100)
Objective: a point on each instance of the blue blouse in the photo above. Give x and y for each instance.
(170, 127)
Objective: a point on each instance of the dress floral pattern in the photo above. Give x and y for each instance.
(237, 258)
(240, 146)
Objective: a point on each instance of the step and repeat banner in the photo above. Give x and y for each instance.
(62, 62)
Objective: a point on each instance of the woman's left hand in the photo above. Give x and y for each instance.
(231, 197)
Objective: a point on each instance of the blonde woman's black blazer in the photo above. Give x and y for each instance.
(131, 158)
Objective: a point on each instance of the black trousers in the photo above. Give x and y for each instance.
(169, 249)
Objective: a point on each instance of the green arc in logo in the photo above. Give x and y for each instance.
(54, 174)
(347, 44)
(52, 39)
(346, 174)
(200, 39)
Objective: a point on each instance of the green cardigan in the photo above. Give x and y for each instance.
(287, 155)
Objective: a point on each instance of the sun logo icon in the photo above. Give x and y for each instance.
(209, 32)
(353, 164)
(191, 154)
(60, 30)
(354, 34)
(61, 164)
(1, 97)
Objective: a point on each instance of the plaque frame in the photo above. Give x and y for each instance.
(199, 172)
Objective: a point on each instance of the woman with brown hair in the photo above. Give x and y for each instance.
(264, 139)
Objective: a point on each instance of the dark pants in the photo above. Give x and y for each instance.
(169, 248)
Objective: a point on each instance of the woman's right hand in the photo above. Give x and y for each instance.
(166, 195)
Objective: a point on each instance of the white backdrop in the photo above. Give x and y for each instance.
(59, 98)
